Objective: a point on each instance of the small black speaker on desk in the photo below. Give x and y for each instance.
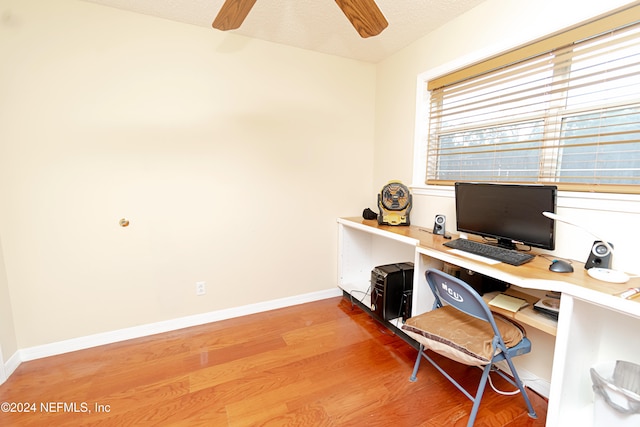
(439, 225)
(599, 256)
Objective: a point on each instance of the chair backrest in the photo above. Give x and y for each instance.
(459, 294)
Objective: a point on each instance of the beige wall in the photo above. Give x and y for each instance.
(231, 158)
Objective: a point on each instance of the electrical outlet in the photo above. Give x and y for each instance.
(201, 288)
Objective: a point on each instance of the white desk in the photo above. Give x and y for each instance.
(594, 324)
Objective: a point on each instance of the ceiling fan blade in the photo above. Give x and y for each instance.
(232, 14)
(365, 16)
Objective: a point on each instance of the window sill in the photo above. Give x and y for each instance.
(608, 202)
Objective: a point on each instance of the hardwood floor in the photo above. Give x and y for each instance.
(324, 363)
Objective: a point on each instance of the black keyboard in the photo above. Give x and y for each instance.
(507, 256)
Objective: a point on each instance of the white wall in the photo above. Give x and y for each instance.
(490, 28)
(231, 158)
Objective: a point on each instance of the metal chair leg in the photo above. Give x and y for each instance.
(416, 366)
(479, 394)
(523, 392)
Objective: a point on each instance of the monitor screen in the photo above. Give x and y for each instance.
(509, 213)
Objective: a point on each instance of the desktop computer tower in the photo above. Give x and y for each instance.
(391, 291)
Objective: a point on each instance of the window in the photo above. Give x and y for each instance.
(564, 110)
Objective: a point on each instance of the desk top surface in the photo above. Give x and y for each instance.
(534, 274)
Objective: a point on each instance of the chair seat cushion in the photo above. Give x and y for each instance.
(459, 336)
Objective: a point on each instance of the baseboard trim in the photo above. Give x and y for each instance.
(11, 365)
(81, 343)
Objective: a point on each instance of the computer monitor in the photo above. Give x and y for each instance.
(509, 213)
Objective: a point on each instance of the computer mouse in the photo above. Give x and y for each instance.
(560, 266)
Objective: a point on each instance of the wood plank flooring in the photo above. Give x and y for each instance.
(325, 363)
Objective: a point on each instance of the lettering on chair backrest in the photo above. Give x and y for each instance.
(452, 294)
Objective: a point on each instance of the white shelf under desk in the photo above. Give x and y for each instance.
(594, 325)
(526, 315)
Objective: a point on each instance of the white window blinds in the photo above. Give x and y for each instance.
(565, 110)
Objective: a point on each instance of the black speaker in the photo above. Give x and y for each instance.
(599, 256)
(439, 225)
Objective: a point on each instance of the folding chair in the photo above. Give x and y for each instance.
(461, 327)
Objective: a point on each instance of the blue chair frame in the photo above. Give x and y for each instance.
(455, 292)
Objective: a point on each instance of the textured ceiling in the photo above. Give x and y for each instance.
(317, 25)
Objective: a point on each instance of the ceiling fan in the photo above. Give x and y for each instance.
(364, 15)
